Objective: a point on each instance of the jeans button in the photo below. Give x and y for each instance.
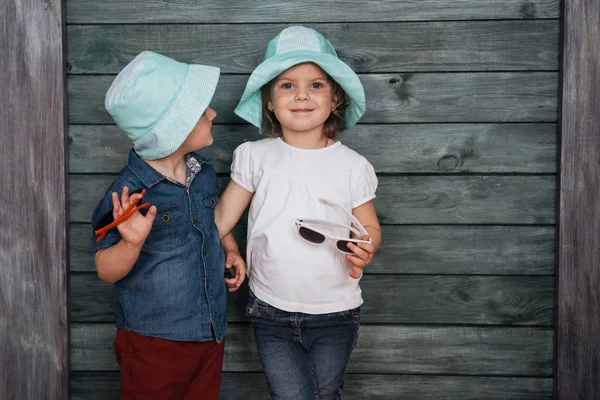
(204, 251)
(195, 221)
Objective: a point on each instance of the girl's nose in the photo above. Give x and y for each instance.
(210, 113)
(301, 94)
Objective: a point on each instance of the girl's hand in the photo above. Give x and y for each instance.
(363, 254)
(136, 228)
(235, 263)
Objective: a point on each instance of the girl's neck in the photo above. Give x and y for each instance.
(172, 166)
(306, 140)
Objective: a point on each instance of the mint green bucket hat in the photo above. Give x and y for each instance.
(157, 101)
(292, 46)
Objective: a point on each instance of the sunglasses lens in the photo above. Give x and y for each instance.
(311, 236)
(342, 246)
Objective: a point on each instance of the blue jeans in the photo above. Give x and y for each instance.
(304, 356)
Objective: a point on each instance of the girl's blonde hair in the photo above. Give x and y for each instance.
(334, 124)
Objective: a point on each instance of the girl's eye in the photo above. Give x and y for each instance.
(286, 86)
(317, 85)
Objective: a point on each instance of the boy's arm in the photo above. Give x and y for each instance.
(114, 263)
(232, 204)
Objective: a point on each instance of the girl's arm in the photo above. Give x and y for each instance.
(363, 252)
(232, 204)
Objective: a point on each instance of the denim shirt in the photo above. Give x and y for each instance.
(176, 289)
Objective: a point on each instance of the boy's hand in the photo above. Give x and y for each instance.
(235, 263)
(363, 254)
(136, 228)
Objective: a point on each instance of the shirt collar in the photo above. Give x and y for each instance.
(148, 175)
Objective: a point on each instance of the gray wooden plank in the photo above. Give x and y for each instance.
(231, 11)
(388, 299)
(391, 98)
(252, 386)
(469, 250)
(424, 46)
(521, 351)
(403, 148)
(34, 353)
(407, 199)
(578, 344)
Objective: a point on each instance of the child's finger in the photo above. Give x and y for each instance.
(357, 250)
(151, 214)
(368, 247)
(116, 205)
(124, 196)
(355, 272)
(356, 261)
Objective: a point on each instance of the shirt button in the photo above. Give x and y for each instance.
(207, 286)
(204, 251)
(196, 221)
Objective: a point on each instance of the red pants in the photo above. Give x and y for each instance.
(160, 369)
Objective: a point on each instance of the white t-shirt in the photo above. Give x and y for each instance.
(284, 270)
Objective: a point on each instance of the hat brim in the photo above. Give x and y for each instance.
(176, 124)
(250, 105)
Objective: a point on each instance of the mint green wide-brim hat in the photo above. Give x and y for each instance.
(292, 46)
(157, 101)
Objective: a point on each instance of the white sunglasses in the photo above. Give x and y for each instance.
(307, 230)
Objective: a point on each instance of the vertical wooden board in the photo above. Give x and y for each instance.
(33, 241)
(578, 320)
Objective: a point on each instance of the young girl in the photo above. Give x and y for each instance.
(304, 257)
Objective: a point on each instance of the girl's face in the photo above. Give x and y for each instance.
(201, 135)
(302, 99)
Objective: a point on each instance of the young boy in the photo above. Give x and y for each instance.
(167, 265)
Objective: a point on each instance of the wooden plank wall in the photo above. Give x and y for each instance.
(578, 274)
(461, 126)
(34, 331)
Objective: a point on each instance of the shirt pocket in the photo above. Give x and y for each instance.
(168, 231)
(209, 203)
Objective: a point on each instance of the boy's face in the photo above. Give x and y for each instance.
(201, 135)
(302, 98)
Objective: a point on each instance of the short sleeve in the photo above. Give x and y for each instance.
(242, 167)
(102, 216)
(364, 184)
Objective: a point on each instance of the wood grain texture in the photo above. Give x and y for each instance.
(438, 250)
(402, 148)
(33, 239)
(391, 98)
(389, 299)
(521, 351)
(231, 11)
(407, 199)
(252, 386)
(409, 47)
(578, 342)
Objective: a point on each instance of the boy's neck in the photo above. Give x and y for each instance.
(172, 166)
